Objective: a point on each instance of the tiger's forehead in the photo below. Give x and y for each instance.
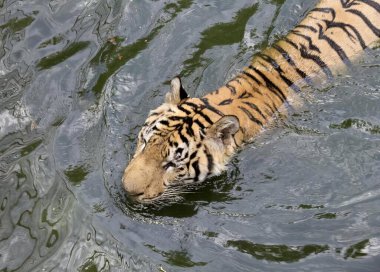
(172, 126)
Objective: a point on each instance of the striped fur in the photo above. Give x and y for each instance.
(187, 140)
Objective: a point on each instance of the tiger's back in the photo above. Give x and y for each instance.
(326, 41)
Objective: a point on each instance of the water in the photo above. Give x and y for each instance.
(77, 79)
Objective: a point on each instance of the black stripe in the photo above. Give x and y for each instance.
(251, 77)
(183, 109)
(199, 124)
(184, 156)
(307, 27)
(210, 160)
(277, 67)
(225, 102)
(271, 86)
(348, 3)
(308, 39)
(171, 144)
(339, 50)
(189, 129)
(374, 29)
(211, 108)
(195, 165)
(271, 61)
(147, 124)
(179, 151)
(343, 26)
(207, 119)
(164, 122)
(245, 79)
(372, 4)
(188, 120)
(232, 89)
(193, 155)
(190, 104)
(272, 107)
(166, 130)
(245, 95)
(198, 111)
(289, 59)
(183, 138)
(250, 116)
(238, 81)
(175, 118)
(253, 88)
(285, 39)
(256, 108)
(317, 60)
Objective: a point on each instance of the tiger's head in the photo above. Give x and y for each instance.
(179, 144)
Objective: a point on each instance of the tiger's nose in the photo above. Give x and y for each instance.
(139, 193)
(131, 189)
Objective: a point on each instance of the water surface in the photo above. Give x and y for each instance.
(77, 79)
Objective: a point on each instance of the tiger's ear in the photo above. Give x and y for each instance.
(177, 92)
(224, 129)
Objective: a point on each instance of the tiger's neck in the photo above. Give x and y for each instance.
(326, 41)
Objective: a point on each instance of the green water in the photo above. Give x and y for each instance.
(77, 79)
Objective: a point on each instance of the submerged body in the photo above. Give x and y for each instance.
(186, 140)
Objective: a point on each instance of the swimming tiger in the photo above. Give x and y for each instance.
(186, 140)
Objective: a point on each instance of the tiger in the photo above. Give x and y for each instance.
(188, 139)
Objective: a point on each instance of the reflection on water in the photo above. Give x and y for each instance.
(113, 55)
(215, 36)
(77, 79)
(358, 124)
(56, 58)
(177, 258)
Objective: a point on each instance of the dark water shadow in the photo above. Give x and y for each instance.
(178, 258)
(112, 56)
(17, 24)
(218, 35)
(276, 253)
(58, 57)
(357, 124)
